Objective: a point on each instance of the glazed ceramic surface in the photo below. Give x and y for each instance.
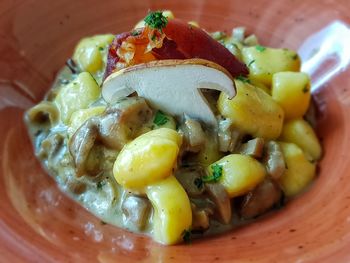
(38, 223)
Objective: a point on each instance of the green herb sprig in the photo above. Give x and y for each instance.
(160, 118)
(260, 48)
(215, 176)
(156, 20)
(243, 79)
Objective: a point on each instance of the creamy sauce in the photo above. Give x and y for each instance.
(100, 195)
(80, 153)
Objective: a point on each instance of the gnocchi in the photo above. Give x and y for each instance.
(264, 62)
(240, 173)
(299, 132)
(252, 111)
(299, 171)
(90, 53)
(291, 90)
(172, 210)
(147, 159)
(176, 133)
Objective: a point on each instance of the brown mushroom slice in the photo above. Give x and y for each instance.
(51, 146)
(81, 144)
(134, 111)
(261, 199)
(95, 160)
(219, 196)
(136, 210)
(123, 121)
(274, 160)
(190, 179)
(200, 219)
(228, 137)
(114, 128)
(194, 136)
(253, 148)
(172, 86)
(110, 132)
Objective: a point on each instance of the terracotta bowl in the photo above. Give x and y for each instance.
(40, 224)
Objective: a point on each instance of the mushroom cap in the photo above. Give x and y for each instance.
(172, 86)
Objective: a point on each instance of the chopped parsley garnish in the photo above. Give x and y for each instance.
(156, 20)
(260, 48)
(251, 62)
(186, 236)
(243, 79)
(305, 89)
(100, 48)
(100, 184)
(160, 118)
(215, 176)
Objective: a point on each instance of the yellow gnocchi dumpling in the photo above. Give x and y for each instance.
(76, 95)
(264, 62)
(299, 171)
(240, 173)
(300, 132)
(90, 53)
(147, 159)
(145, 166)
(252, 111)
(172, 210)
(292, 92)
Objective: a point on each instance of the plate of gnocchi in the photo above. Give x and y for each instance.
(182, 132)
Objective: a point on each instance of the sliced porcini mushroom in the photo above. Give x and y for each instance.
(261, 199)
(81, 144)
(189, 177)
(51, 146)
(219, 196)
(253, 147)
(229, 138)
(193, 134)
(274, 160)
(200, 218)
(136, 211)
(114, 128)
(172, 86)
